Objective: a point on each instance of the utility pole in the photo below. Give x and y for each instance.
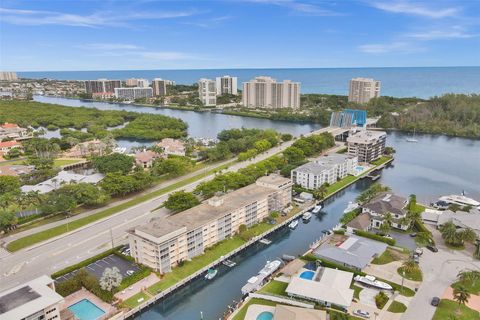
(111, 237)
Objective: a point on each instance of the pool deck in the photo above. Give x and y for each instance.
(255, 309)
(85, 294)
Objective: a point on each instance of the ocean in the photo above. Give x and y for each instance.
(418, 82)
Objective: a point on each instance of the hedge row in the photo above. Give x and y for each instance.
(374, 236)
(84, 263)
(83, 279)
(420, 227)
(137, 276)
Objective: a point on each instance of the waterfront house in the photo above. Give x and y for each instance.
(354, 252)
(325, 169)
(383, 203)
(63, 177)
(361, 222)
(12, 131)
(325, 286)
(172, 147)
(461, 219)
(284, 312)
(87, 149)
(164, 242)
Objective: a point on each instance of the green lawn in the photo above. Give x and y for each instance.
(64, 162)
(132, 302)
(407, 292)
(415, 275)
(384, 258)
(243, 311)
(275, 287)
(61, 229)
(397, 307)
(337, 315)
(340, 184)
(448, 309)
(381, 160)
(356, 291)
(472, 287)
(189, 267)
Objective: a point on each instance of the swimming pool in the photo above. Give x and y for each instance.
(265, 315)
(359, 168)
(307, 275)
(86, 310)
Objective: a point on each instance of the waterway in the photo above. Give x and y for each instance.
(435, 166)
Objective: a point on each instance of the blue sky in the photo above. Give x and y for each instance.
(37, 35)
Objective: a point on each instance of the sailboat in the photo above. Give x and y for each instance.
(412, 139)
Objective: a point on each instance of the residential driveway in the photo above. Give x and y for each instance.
(389, 272)
(367, 296)
(404, 240)
(374, 312)
(439, 272)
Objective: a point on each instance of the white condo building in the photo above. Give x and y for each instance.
(266, 92)
(8, 76)
(207, 92)
(361, 90)
(226, 85)
(159, 86)
(133, 82)
(133, 93)
(367, 145)
(326, 169)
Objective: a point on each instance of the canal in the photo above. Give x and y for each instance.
(435, 166)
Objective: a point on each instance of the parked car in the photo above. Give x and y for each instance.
(413, 235)
(432, 248)
(361, 313)
(435, 301)
(418, 251)
(416, 259)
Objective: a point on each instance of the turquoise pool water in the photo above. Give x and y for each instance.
(86, 310)
(359, 168)
(307, 275)
(265, 315)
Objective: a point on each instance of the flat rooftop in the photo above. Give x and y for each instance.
(366, 136)
(24, 300)
(200, 215)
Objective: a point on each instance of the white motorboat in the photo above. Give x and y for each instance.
(211, 273)
(306, 216)
(317, 209)
(351, 206)
(373, 282)
(254, 283)
(459, 200)
(293, 224)
(229, 263)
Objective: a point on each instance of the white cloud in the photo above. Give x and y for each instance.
(98, 19)
(394, 47)
(109, 46)
(416, 8)
(452, 33)
(299, 7)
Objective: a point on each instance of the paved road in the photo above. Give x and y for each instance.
(71, 248)
(439, 272)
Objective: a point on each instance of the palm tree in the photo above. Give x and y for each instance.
(468, 235)
(449, 232)
(387, 223)
(469, 276)
(461, 295)
(405, 221)
(409, 266)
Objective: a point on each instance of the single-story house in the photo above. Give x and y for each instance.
(325, 285)
(355, 252)
(283, 312)
(63, 177)
(461, 219)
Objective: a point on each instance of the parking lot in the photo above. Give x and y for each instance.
(96, 268)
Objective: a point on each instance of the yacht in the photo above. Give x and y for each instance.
(211, 273)
(293, 224)
(373, 282)
(412, 139)
(460, 200)
(351, 206)
(256, 282)
(306, 216)
(317, 208)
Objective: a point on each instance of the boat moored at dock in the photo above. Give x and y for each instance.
(293, 224)
(351, 206)
(254, 283)
(317, 208)
(306, 216)
(211, 273)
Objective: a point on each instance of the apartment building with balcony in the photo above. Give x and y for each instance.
(207, 92)
(361, 90)
(102, 88)
(367, 145)
(326, 169)
(226, 85)
(266, 92)
(164, 242)
(133, 93)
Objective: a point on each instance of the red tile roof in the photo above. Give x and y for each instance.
(7, 144)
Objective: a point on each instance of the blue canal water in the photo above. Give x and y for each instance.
(436, 165)
(398, 82)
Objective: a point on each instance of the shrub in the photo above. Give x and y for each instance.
(376, 237)
(137, 276)
(341, 231)
(381, 300)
